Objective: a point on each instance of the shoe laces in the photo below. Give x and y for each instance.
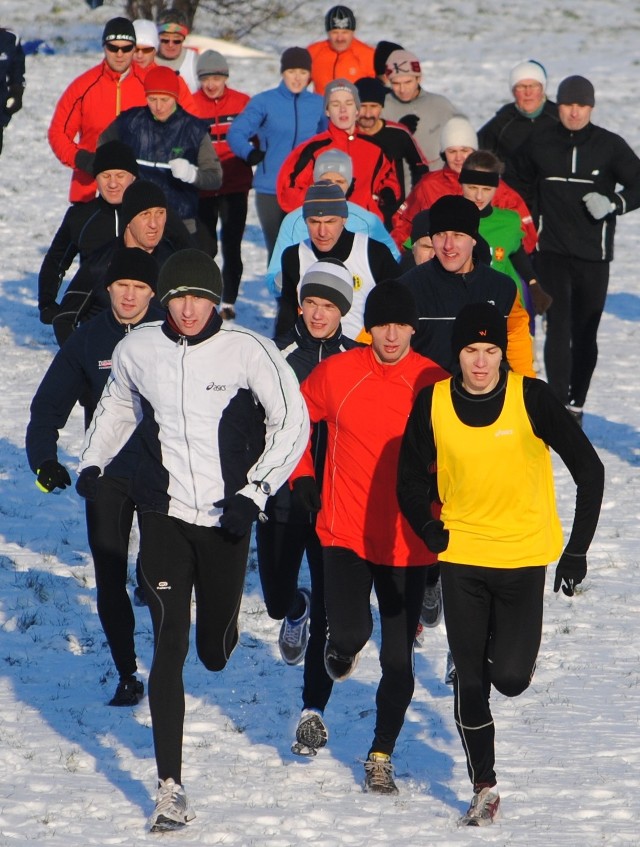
(379, 769)
(171, 797)
(292, 634)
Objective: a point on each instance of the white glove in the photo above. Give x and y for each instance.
(598, 205)
(183, 169)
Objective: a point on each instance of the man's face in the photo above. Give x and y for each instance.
(296, 79)
(406, 87)
(213, 85)
(574, 116)
(454, 250)
(340, 39)
(369, 117)
(325, 231)
(190, 314)
(111, 185)
(143, 55)
(456, 157)
(119, 55)
(481, 195)
(391, 342)
(336, 179)
(342, 110)
(480, 365)
(129, 299)
(161, 106)
(321, 317)
(170, 45)
(422, 250)
(528, 95)
(146, 229)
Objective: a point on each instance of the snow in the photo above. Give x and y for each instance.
(76, 772)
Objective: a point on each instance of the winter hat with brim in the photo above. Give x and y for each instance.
(339, 17)
(458, 132)
(341, 85)
(330, 280)
(453, 213)
(528, 70)
(390, 302)
(161, 80)
(189, 272)
(576, 89)
(138, 197)
(132, 263)
(402, 63)
(118, 29)
(333, 161)
(479, 323)
(212, 63)
(146, 34)
(324, 199)
(371, 90)
(115, 156)
(295, 58)
(380, 55)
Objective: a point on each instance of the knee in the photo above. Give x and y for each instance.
(215, 656)
(511, 684)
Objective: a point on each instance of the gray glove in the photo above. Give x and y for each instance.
(598, 205)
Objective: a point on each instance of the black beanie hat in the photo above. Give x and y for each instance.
(421, 225)
(138, 197)
(453, 213)
(192, 272)
(132, 263)
(479, 323)
(115, 156)
(371, 90)
(118, 29)
(295, 57)
(390, 302)
(339, 17)
(576, 89)
(382, 52)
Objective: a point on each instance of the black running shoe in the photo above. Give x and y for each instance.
(128, 693)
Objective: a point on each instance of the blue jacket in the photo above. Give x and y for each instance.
(280, 120)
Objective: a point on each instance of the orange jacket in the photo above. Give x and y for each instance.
(86, 108)
(326, 64)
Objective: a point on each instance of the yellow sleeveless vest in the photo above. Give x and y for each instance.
(496, 486)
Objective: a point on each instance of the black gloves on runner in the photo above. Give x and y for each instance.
(87, 484)
(239, 512)
(51, 474)
(411, 122)
(435, 536)
(255, 157)
(305, 491)
(84, 160)
(570, 571)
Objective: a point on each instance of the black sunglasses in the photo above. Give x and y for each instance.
(113, 49)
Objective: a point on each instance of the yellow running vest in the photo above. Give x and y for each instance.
(496, 485)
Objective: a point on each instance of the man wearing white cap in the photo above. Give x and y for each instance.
(530, 111)
(144, 57)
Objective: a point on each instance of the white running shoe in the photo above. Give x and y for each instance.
(172, 809)
(311, 734)
(483, 809)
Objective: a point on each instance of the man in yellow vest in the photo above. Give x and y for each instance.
(499, 527)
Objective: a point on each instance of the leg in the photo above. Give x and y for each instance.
(317, 682)
(233, 216)
(270, 216)
(280, 547)
(347, 595)
(555, 274)
(208, 210)
(109, 519)
(591, 280)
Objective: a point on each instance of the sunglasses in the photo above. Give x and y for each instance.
(145, 49)
(171, 40)
(113, 49)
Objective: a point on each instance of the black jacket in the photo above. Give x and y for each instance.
(11, 71)
(509, 129)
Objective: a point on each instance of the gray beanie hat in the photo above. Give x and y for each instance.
(341, 85)
(330, 280)
(192, 272)
(323, 199)
(333, 161)
(211, 62)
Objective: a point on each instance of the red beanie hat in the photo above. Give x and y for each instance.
(161, 80)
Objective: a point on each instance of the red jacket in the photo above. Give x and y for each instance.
(366, 406)
(327, 65)
(372, 171)
(85, 109)
(236, 174)
(436, 184)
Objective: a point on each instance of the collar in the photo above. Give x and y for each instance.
(211, 328)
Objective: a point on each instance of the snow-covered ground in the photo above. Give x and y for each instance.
(78, 773)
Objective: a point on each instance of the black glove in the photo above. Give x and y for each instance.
(15, 94)
(539, 298)
(84, 161)
(305, 491)
(435, 536)
(239, 512)
(411, 122)
(48, 313)
(255, 157)
(51, 474)
(87, 484)
(570, 570)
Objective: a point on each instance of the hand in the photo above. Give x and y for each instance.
(84, 161)
(255, 157)
(570, 570)
(435, 536)
(411, 122)
(182, 169)
(598, 205)
(539, 297)
(87, 484)
(305, 491)
(51, 474)
(238, 513)
(14, 102)
(48, 313)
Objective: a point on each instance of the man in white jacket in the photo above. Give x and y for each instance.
(223, 424)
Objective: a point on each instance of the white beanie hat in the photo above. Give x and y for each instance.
(146, 33)
(458, 132)
(528, 70)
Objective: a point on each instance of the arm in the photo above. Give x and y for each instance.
(286, 237)
(209, 177)
(65, 125)
(245, 127)
(56, 262)
(519, 346)
(416, 487)
(288, 299)
(381, 261)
